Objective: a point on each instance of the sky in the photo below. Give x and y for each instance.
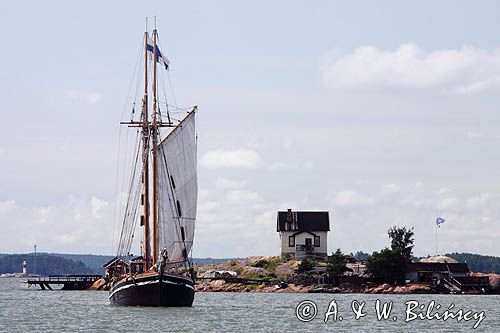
(383, 113)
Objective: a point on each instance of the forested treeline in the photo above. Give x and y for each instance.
(45, 264)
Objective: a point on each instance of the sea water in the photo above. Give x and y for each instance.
(25, 309)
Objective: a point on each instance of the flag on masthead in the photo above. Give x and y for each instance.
(160, 58)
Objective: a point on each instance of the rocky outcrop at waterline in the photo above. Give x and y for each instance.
(494, 281)
(275, 275)
(222, 286)
(100, 284)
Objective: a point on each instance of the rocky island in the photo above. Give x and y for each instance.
(274, 274)
(286, 276)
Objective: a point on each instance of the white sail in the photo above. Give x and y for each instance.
(178, 190)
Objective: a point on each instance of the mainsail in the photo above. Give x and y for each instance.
(178, 190)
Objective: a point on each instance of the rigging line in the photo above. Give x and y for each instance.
(138, 80)
(165, 95)
(171, 89)
(175, 107)
(126, 228)
(134, 212)
(116, 191)
(127, 153)
(132, 182)
(118, 153)
(174, 200)
(128, 232)
(136, 179)
(133, 75)
(123, 185)
(169, 80)
(181, 109)
(125, 160)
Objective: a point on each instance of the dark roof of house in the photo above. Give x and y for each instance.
(438, 267)
(137, 259)
(111, 261)
(306, 221)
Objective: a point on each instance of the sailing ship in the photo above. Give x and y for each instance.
(162, 199)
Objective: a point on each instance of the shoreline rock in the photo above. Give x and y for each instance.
(100, 284)
(221, 286)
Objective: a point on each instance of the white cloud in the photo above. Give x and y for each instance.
(91, 98)
(79, 225)
(475, 134)
(287, 142)
(224, 183)
(390, 188)
(483, 201)
(98, 206)
(43, 215)
(467, 217)
(281, 166)
(444, 190)
(236, 218)
(242, 196)
(6, 206)
(466, 70)
(352, 198)
(73, 94)
(239, 158)
(94, 98)
(448, 203)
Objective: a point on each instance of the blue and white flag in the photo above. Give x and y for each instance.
(439, 221)
(160, 58)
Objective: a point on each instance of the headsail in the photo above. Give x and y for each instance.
(178, 189)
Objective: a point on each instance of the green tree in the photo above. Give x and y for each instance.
(478, 263)
(336, 265)
(388, 265)
(402, 241)
(45, 264)
(306, 265)
(361, 256)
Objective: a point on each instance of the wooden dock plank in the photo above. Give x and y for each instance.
(68, 282)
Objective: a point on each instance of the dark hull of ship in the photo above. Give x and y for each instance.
(153, 290)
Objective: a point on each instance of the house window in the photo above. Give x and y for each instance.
(291, 241)
(316, 241)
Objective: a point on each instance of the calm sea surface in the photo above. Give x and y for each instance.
(34, 310)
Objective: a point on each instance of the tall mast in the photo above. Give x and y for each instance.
(154, 162)
(145, 157)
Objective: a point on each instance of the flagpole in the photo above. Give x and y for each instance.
(437, 239)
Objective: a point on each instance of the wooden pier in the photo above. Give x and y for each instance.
(68, 282)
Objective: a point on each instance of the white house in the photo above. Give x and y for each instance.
(303, 234)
